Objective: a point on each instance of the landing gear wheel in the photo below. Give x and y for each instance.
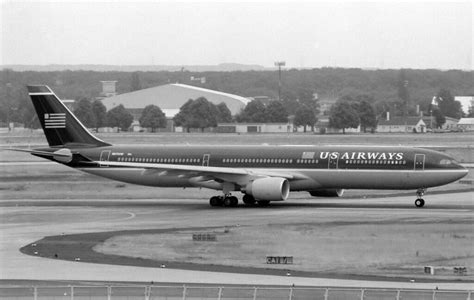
(248, 199)
(263, 203)
(231, 201)
(419, 202)
(234, 201)
(215, 201)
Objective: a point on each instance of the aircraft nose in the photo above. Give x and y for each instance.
(462, 171)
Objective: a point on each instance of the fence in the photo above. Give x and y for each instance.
(212, 292)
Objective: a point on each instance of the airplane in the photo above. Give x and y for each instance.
(262, 173)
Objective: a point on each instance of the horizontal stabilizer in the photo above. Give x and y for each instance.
(39, 152)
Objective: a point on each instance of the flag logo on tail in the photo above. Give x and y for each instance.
(55, 120)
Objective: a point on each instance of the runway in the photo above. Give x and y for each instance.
(26, 221)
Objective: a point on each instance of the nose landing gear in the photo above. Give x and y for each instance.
(420, 202)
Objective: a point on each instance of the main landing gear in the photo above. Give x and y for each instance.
(225, 200)
(232, 201)
(420, 202)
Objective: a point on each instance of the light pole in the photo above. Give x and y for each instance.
(431, 119)
(405, 106)
(279, 64)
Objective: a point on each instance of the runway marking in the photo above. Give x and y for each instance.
(130, 216)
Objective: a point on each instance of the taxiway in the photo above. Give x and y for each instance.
(23, 222)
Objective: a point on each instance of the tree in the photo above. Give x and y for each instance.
(403, 90)
(152, 117)
(291, 105)
(119, 117)
(447, 105)
(135, 84)
(223, 113)
(84, 113)
(367, 116)
(198, 113)
(254, 111)
(181, 118)
(100, 114)
(304, 116)
(29, 116)
(204, 114)
(275, 112)
(470, 114)
(343, 116)
(439, 118)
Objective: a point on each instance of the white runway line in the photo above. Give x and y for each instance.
(130, 216)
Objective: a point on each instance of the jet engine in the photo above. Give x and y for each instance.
(269, 189)
(327, 193)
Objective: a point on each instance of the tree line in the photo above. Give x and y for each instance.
(397, 91)
(348, 112)
(198, 113)
(93, 114)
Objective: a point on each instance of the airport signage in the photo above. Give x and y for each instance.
(207, 237)
(460, 270)
(281, 260)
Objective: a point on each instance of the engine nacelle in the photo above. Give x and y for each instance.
(327, 193)
(63, 155)
(270, 189)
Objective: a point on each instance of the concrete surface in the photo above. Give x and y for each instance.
(23, 223)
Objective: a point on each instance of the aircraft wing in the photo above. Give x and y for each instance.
(236, 175)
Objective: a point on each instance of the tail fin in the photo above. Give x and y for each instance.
(59, 124)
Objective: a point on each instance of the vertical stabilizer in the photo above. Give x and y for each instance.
(59, 124)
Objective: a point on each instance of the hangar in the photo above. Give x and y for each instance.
(170, 97)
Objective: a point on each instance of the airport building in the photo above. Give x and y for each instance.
(401, 124)
(170, 98)
(255, 127)
(466, 124)
(449, 124)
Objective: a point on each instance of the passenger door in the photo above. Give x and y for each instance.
(104, 156)
(205, 160)
(419, 162)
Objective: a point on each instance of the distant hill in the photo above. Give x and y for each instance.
(225, 67)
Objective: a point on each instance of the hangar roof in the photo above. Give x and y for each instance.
(173, 96)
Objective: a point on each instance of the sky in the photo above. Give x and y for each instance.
(309, 34)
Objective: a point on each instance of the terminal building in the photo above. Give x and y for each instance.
(169, 98)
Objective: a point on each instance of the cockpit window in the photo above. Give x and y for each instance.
(446, 161)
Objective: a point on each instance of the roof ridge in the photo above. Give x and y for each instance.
(237, 97)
